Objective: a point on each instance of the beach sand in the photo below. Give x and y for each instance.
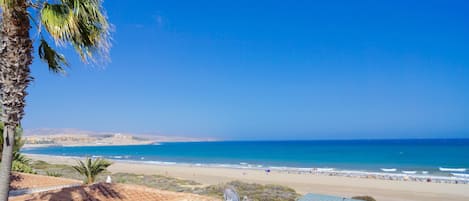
(382, 190)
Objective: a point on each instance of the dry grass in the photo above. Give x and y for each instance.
(255, 192)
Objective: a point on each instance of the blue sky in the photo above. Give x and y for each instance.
(269, 70)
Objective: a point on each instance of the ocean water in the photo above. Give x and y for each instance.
(362, 155)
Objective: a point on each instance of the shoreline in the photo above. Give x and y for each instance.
(147, 142)
(87, 145)
(449, 177)
(382, 190)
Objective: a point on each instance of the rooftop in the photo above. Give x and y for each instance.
(29, 181)
(104, 192)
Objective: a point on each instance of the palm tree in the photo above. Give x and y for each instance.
(81, 23)
(91, 168)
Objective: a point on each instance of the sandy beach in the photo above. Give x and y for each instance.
(383, 190)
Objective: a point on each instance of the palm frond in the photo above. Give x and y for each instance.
(58, 21)
(21, 163)
(91, 168)
(6, 3)
(83, 23)
(21, 167)
(17, 156)
(54, 60)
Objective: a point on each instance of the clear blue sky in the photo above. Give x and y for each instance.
(269, 70)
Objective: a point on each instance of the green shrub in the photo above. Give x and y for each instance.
(364, 198)
(254, 192)
(53, 174)
(21, 164)
(21, 167)
(156, 181)
(39, 164)
(66, 171)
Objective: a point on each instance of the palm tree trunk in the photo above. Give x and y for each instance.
(5, 166)
(15, 59)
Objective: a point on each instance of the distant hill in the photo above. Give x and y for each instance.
(55, 131)
(77, 137)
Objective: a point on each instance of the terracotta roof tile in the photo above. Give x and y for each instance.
(27, 181)
(104, 192)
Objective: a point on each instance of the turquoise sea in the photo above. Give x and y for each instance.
(365, 155)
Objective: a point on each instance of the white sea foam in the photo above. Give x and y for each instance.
(391, 174)
(324, 169)
(460, 175)
(452, 169)
(405, 175)
(157, 162)
(279, 168)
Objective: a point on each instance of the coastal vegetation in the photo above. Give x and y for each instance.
(91, 168)
(364, 198)
(66, 171)
(255, 192)
(21, 164)
(53, 174)
(157, 181)
(82, 24)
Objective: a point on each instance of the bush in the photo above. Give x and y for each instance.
(21, 164)
(21, 167)
(53, 174)
(156, 181)
(254, 192)
(364, 198)
(67, 171)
